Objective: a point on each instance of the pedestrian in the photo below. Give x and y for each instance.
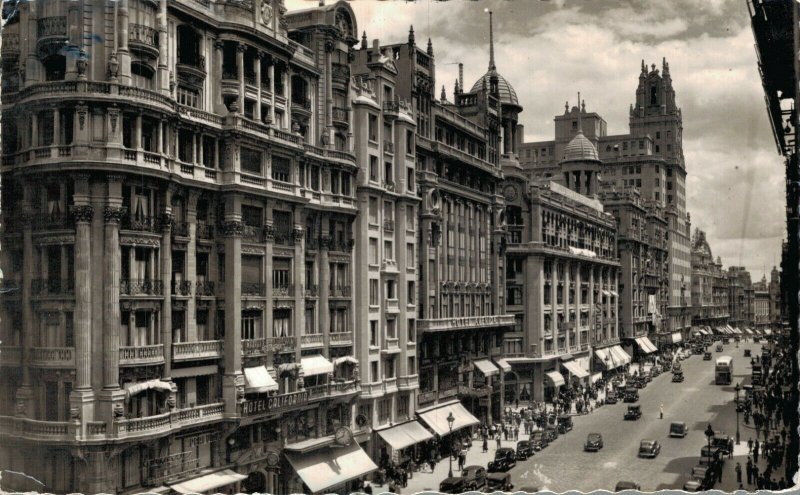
(498, 441)
(516, 402)
(392, 487)
(661, 411)
(485, 444)
(730, 448)
(404, 477)
(749, 468)
(783, 436)
(461, 461)
(750, 445)
(432, 464)
(719, 472)
(756, 446)
(738, 470)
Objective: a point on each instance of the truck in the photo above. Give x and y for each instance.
(723, 370)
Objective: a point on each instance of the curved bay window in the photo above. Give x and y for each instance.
(143, 75)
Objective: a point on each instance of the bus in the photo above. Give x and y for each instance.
(724, 370)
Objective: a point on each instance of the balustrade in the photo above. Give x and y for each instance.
(312, 339)
(345, 338)
(341, 291)
(38, 430)
(51, 26)
(52, 221)
(180, 229)
(281, 344)
(52, 357)
(254, 347)
(253, 288)
(141, 287)
(311, 290)
(286, 290)
(141, 34)
(197, 350)
(140, 223)
(50, 287)
(182, 288)
(142, 354)
(204, 230)
(204, 288)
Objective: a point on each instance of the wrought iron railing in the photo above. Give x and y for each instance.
(137, 286)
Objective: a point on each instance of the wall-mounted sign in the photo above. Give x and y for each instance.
(274, 403)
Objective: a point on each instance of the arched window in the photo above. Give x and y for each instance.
(55, 66)
(142, 75)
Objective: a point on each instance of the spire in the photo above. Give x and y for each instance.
(580, 124)
(411, 35)
(444, 94)
(364, 41)
(430, 48)
(566, 107)
(457, 89)
(644, 67)
(491, 44)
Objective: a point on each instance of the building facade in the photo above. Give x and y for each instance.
(740, 296)
(182, 243)
(710, 304)
(775, 317)
(761, 303)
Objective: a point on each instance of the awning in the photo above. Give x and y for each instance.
(486, 367)
(566, 357)
(621, 356)
(575, 369)
(749, 331)
(738, 332)
(676, 337)
(645, 345)
(209, 482)
(556, 378)
(345, 359)
(730, 328)
(405, 435)
(768, 331)
(316, 365)
(614, 293)
(132, 389)
(331, 466)
(436, 418)
(258, 380)
(211, 369)
(503, 365)
(602, 356)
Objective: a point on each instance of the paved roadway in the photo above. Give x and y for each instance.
(563, 465)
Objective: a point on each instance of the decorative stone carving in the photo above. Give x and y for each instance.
(80, 64)
(113, 114)
(129, 240)
(269, 232)
(113, 66)
(171, 402)
(20, 407)
(82, 111)
(324, 242)
(119, 411)
(297, 234)
(83, 213)
(112, 214)
(232, 228)
(166, 222)
(74, 414)
(356, 374)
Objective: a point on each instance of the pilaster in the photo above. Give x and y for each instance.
(232, 229)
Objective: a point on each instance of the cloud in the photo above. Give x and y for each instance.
(551, 50)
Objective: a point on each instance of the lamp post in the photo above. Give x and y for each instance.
(450, 421)
(709, 435)
(737, 388)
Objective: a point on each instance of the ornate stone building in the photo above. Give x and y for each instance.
(740, 297)
(710, 303)
(180, 192)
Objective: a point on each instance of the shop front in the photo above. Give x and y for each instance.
(401, 443)
(222, 481)
(451, 420)
(553, 381)
(327, 467)
(577, 373)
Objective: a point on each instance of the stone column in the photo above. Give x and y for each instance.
(578, 304)
(507, 137)
(111, 276)
(163, 42)
(287, 75)
(258, 63)
(24, 395)
(299, 277)
(218, 58)
(554, 301)
(233, 381)
(191, 266)
(123, 55)
(166, 279)
(269, 237)
(240, 48)
(324, 280)
(56, 127)
(271, 73)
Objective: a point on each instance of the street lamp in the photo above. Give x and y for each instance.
(450, 421)
(709, 435)
(737, 388)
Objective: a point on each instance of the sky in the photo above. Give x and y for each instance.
(551, 49)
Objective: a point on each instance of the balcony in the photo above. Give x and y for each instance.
(52, 221)
(140, 223)
(301, 104)
(391, 109)
(252, 233)
(388, 146)
(341, 291)
(425, 397)
(31, 429)
(52, 357)
(182, 288)
(254, 347)
(286, 290)
(390, 385)
(137, 355)
(409, 382)
(143, 39)
(341, 338)
(188, 351)
(392, 306)
(141, 287)
(204, 288)
(192, 69)
(340, 73)
(204, 231)
(256, 289)
(51, 34)
(10, 45)
(312, 290)
(312, 340)
(333, 389)
(169, 421)
(52, 287)
(341, 116)
(464, 323)
(281, 344)
(372, 390)
(388, 225)
(10, 355)
(180, 229)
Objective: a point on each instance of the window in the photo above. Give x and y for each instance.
(282, 322)
(373, 335)
(384, 410)
(251, 324)
(373, 251)
(658, 169)
(658, 182)
(641, 144)
(411, 290)
(402, 400)
(658, 196)
(412, 332)
(373, 168)
(388, 250)
(411, 219)
(388, 174)
(188, 96)
(373, 210)
(391, 293)
(638, 182)
(391, 328)
(281, 169)
(658, 148)
(410, 179)
(345, 184)
(373, 128)
(658, 136)
(410, 255)
(373, 292)
(409, 142)
(281, 268)
(669, 186)
(374, 377)
(669, 172)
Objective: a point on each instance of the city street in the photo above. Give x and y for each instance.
(697, 401)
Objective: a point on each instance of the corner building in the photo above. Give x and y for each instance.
(181, 194)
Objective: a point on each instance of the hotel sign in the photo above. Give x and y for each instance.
(274, 403)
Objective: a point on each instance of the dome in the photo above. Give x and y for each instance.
(507, 94)
(580, 149)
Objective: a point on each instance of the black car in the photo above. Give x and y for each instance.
(594, 442)
(633, 413)
(504, 459)
(539, 440)
(627, 485)
(611, 397)
(551, 433)
(564, 423)
(499, 482)
(649, 448)
(475, 477)
(677, 376)
(456, 484)
(631, 395)
(524, 449)
(707, 356)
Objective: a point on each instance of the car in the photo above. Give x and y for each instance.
(747, 353)
(456, 484)
(539, 440)
(703, 476)
(649, 448)
(631, 395)
(524, 449)
(633, 413)
(551, 432)
(564, 423)
(693, 486)
(627, 485)
(678, 429)
(504, 459)
(707, 356)
(711, 455)
(529, 489)
(499, 482)
(647, 377)
(719, 347)
(611, 397)
(722, 442)
(594, 442)
(475, 477)
(677, 376)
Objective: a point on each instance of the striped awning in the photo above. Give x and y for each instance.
(555, 378)
(575, 369)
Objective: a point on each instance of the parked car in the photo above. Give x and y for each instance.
(707, 356)
(631, 395)
(529, 489)
(722, 442)
(456, 484)
(719, 347)
(649, 448)
(747, 353)
(627, 485)
(564, 423)
(504, 459)
(678, 429)
(693, 486)
(475, 477)
(677, 376)
(647, 377)
(551, 432)
(711, 455)
(524, 449)
(499, 481)
(611, 397)
(594, 442)
(633, 413)
(539, 440)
